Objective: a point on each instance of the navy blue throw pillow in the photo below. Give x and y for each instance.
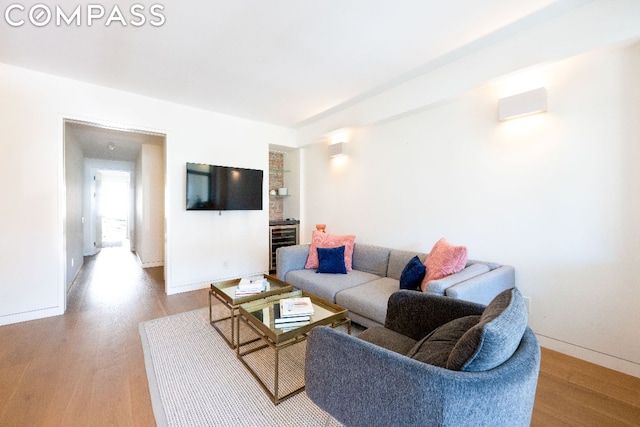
(412, 274)
(331, 260)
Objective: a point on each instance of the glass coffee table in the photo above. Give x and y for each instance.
(225, 292)
(259, 317)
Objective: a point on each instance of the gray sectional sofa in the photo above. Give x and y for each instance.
(366, 289)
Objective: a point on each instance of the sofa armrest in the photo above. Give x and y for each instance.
(482, 289)
(289, 258)
(362, 384)
(415, 314)
(343, 373)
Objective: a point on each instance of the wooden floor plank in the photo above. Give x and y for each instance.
(579, 406)
(595, 378)
(578, 393)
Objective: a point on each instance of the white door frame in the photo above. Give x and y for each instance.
(62, 209)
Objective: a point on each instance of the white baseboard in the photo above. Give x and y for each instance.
(608, 361)
(75, 276)
(202, 285)
(150, 264)
(188, 288)
(30, 315)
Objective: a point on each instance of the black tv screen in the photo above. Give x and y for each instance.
(222, 188)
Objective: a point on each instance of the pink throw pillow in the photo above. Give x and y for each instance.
(324, 240)
(444, 259)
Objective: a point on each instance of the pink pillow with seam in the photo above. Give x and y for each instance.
(324, 240)
(443, 260)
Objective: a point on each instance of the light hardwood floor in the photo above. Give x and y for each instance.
(86, 367)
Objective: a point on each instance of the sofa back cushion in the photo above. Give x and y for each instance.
(371, 259)
(477, 343)
(496, 336)
(398, 259)
(440, 286)
(436, 347)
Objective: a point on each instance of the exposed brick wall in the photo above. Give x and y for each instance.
(276, 180)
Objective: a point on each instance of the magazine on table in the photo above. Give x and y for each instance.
(293, 307)
(297, 319)
(279, 320)
(251, 285)
(291, 326)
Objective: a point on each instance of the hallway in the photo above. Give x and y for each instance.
(86, 367)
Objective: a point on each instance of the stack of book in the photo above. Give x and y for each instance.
(251, 285)
(291, 313)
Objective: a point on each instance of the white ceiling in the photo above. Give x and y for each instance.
(99, 142)
(282, 62)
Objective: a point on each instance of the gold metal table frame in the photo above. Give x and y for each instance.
(224, 292)
(326, 313)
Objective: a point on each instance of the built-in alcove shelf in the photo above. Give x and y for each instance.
(277, 172)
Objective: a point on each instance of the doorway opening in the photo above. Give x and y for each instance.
(114, 184)
(114, 209)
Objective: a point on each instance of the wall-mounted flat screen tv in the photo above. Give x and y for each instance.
(223, 188)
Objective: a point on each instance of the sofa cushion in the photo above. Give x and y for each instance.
(325, 240)
(444, 259)
(391, 340)
(412, 274)
(496, 336)
(331, 260)
(369, 299)
(398, 259)
(436, 347)
(371, 259)
(440, 286)
(327, 285)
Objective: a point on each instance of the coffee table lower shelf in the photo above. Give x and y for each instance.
(232, 315)
(292, 337)
(225, 292)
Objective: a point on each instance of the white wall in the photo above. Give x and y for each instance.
(150, 205)
(31, 181)
(556, 195)
(74, 188)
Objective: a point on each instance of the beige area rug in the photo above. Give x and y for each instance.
(195, 378)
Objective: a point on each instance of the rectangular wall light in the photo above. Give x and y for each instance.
(523, 104)
(336, 150)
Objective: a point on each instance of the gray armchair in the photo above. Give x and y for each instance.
(489, 362)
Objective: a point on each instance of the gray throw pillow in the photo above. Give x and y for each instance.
(436, 347)
(496, 336)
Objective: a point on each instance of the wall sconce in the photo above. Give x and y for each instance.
(523, 104)
(336, 150)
